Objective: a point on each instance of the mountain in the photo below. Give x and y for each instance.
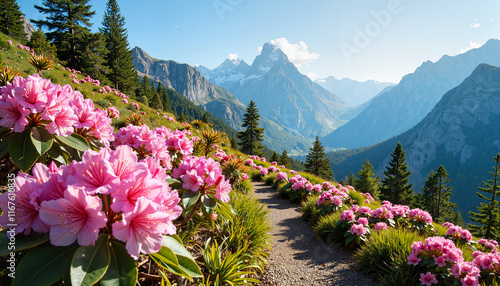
(189, 82)
(461, 133)
(407, 103)
(281, 92)
(351, 91)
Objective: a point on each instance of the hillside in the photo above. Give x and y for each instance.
(461, 133)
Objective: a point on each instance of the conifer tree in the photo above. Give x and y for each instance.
(429, 191)
(39, 43)
(165, 99)
(284, 159)
(252, 136)
(418, 201)
(488, 215)
(316, 161)
(91, 55)
(234, 143)
(351, 179)
(395, 186)
(156, 102)
(119, 59)
(10, 20)
(457, 219)
(68, 25)
(436, 195)
(204, 118)
(182, 118)
(367, 182)
(274, 157)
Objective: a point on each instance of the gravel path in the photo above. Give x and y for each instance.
(298, 258)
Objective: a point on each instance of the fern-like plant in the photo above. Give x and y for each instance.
(135, 119)
(7, 74)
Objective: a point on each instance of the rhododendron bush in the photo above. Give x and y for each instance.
(97, 200)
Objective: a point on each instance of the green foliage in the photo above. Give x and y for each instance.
(252, 136)
(39, 43)
(436, 196)
(244, 187)
(10, 20)
(488, 215)
(326, 229)
(274, 157)
(284, 159)
(385, 250)
(234, 143)
(156, 102)
(68, 24)
(317, 163)
(310, 211)
(367, 182)
(91, 56)
(119, 59)
(102, 103)
(395, 186)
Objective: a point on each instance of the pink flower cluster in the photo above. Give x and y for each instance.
(263, 171)
(71, 202)
(204, 175)
(273, 169)
(35, 101)
(135, 105)
(457, 233)
(358, 229)
(281, 177)
(418, 215)
(113, 112)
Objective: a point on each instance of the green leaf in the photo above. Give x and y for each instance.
(226, 209)
(90, 262)
(167, 259)
(22, 151)
(176, 184)
(21, 241)
(4, 146)
(189, 198)
(75, 141)
(57, 154)
(122, 270)
(209, 203)
(186, 261)
(42, 139)
(44, 265)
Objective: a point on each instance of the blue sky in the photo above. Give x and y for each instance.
(381, 40)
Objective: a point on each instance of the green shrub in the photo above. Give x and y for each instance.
(102, 103)
(255, 176)
(52, 78)
(310, 211)
(119, 124)
(386, 250)
(111, 99)
(327, 231)
(357, 198)
(312, 178)
(244, 187)
(283, 191)
(271, 178)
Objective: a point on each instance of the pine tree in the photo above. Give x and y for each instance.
(284, 159)
(119, 59)
(275, 157)
(204, 118)
(68, 25)
(234, 143)
(182, 118)
(418, 201)
(156, 102)
(457, 219)
(91, 56)
(165, 99)
(316, 161)
(429, 191)
(444, 206)
(251, 138)
(39, 43)
(395, 186)
(367, 182)
(488, 215)
(351, 179)
(11, 23)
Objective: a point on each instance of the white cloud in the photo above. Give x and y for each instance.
(475, 25)
(259, 50)
(232, 57)
(472, 45)
(298, 54)
(312, 76)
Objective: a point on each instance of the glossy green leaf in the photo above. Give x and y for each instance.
(176, 184)
(57, 154)
(186, 261)
(209, 203)
(20, 241)
(166, 259)
(122, 270)
(189, 198)
(41, 139)
(22, 151)
(75, 141)
(90, 262)
(4, 146)
(44, 265)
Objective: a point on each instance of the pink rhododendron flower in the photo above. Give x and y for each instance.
(76, 216)
(223, 190)
(428, 279)
(63, 123)
(380, 226)
(358, 229)
(31, 94)
(142, 229)
(13, 114)
(191, 180)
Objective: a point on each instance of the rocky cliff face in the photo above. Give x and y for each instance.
(281, 92)
(28, 28)
(407, 103)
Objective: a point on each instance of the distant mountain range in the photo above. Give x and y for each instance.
(461, 133)
(281, 92)
(351, 91)
(189, 82)
(407, 103)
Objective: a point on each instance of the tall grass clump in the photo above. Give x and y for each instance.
(271, 177)
(326, 229)
(386, 251)
(310, 211)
